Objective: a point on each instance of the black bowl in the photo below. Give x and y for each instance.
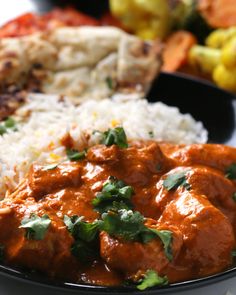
(216, 109)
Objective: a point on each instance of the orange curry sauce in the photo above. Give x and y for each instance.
(201, 218)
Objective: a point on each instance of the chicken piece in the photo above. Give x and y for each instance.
(131, 257)
(208, 237)
(212, 155)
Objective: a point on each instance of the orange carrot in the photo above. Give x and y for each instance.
(176, 50)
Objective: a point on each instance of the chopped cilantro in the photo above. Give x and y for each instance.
(151, 134)
(175, 180)
(83, 251)
(115, 194)
(234, 197)
(124, 223)
(231, 171)
(74, 155)
(151, 279)
(86, 237)
(9, 123)
(115, 136)
(109, 82)
(130, 226)
(158, 167)
(50, 167)
(36, 227)
(233, 253)
(81, 229)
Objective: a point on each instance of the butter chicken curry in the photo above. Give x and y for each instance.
(118, 213)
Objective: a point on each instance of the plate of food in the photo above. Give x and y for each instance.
(114, 177)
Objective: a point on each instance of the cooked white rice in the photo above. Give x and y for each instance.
(44, 120)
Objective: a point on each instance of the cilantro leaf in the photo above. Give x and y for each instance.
(175, 180)
(230, 172)
(129, 226)
(124, 223)
(85, 234)
(233, 253)
(151, 279)
(115, 136)
(83, 251)
(115, 194)
(166, 238)
(74, 155)
(109, 82)
(36, 227)
(80, 229)
(50, 167)
(234, 197)
(9, 123)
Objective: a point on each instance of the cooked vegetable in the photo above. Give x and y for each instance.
(176, 50)
(115, 136)
(234, 197)
(204, 59)
(220, 13)
(225, 78)
(115, 194)
(36, 227)
(146, 18)
(218, 38)
(151, 279)
(228, 54)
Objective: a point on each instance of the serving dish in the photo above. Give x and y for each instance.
(216, 109)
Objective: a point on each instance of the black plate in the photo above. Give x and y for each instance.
(216, 109)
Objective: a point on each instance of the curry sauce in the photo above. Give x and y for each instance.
(182, 190)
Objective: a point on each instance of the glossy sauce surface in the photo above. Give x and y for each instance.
(201, 218)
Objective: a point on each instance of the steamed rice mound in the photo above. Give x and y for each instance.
(45, 119)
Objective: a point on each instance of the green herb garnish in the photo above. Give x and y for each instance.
(234, 197)
(129, 226)
(81, 229)
(151, 279)
(50, 167)
(175, 180)
(36, 227)
(74, 155)
(115, 194)
(9, 123)
(151, 134)
(109, 82)
(230, 172)
(233, 253)
(85, 234)
(115, 136)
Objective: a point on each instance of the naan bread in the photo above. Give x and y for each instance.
(85, 62)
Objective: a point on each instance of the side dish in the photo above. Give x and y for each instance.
(81, 62)
(137, 212)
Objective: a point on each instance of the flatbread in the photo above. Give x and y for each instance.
(84, 62)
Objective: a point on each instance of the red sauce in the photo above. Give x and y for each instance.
(201, 219)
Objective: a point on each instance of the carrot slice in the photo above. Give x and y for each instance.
(176, 50)
(218, 13)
